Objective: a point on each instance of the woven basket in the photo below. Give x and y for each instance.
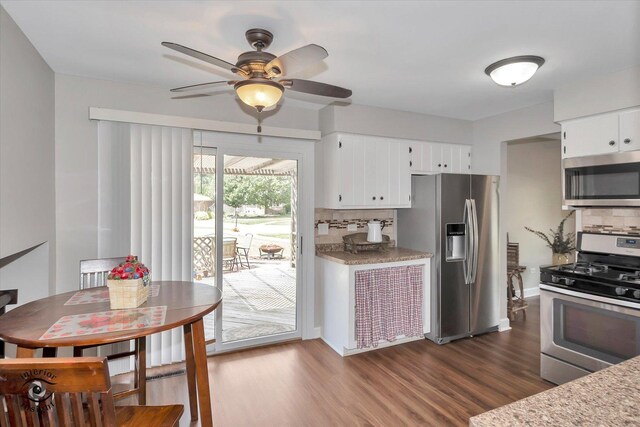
(127, 293)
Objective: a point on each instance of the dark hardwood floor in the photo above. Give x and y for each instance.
(305, 383)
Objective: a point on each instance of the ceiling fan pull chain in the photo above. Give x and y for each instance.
(259, 123)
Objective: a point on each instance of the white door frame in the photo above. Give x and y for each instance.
(273, 147)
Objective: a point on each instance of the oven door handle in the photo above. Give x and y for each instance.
(590, 297)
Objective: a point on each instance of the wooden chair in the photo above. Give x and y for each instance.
(229, 253)
(515, 303)
(243, 248)
(93, 273)
(70, 392)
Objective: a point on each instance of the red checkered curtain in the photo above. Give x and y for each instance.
(388, 304)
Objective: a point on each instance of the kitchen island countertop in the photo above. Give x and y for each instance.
(606, 397)
(374, 257)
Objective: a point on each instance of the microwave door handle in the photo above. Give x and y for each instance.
(466, 262)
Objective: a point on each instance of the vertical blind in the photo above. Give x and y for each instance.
(145, 208)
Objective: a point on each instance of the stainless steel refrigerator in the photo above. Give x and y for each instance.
(456, 218)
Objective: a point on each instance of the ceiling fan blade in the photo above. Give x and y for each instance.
(296, 60)
(203, 86)
(316, 88)
(202, 56)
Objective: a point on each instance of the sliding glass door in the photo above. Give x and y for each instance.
(259, 275)
(246, 242)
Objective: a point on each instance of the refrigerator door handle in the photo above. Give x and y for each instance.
(466, 263)
(476, 241)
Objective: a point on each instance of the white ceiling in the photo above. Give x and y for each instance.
(426, 57)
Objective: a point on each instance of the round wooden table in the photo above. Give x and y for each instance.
(186, 304)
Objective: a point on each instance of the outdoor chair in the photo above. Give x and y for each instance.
(50, 392)
(229, 253)
(93, 273)
(243, 250)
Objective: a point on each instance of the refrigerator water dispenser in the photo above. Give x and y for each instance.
(456, 237)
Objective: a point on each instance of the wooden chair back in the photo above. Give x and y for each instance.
(513, 256)
(56, 392)
(229, 249)
(94, 272)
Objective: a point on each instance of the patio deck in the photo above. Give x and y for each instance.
(256, 302)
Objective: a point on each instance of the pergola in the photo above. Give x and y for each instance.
(243, 165)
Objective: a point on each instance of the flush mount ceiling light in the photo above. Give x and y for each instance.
(514, 71)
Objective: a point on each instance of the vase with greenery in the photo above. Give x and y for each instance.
(560, 243)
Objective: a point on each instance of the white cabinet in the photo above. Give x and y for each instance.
(337, 282)
(603, 134)
(364, 172)
(434, 157)
(630, 130)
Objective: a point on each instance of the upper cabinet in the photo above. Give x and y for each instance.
(434, 157)
(630, 130)
(607, 133)
(369, 172)
(364, 172)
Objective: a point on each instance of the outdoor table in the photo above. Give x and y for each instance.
(49, 323)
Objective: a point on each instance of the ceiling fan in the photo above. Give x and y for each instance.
(261, 83)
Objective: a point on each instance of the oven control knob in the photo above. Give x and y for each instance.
(621, 291)
(636, 294)
(569, 282)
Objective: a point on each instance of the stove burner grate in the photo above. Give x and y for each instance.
(630, 277)
(585, 268)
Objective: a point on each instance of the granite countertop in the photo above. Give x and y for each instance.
(605, 398)
(373, 257)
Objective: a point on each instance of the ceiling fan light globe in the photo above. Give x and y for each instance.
(512, 72)
(263, 94)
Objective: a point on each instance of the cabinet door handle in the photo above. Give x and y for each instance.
(439, 165)
(374, 197)
(627, 140)
(381, 198)
(612, 142)
(410, 150)
(340, 198)
(445, 165)
(410, 163)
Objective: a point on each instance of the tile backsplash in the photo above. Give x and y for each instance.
(338, 220)
(611, 220)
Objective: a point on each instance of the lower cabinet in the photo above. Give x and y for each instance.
(338, 286)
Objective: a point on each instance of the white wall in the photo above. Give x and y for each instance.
(489, 133)
(27, 200)
(534, 199)
(490, 157)
(607, 93)
(391, 123)
(76, 151)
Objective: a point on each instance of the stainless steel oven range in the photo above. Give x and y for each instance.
(590, 310)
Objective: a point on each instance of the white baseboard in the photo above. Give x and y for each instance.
(531, 292)
(317, 332)
(504, 325)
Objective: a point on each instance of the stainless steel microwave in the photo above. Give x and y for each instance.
(603, 180)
